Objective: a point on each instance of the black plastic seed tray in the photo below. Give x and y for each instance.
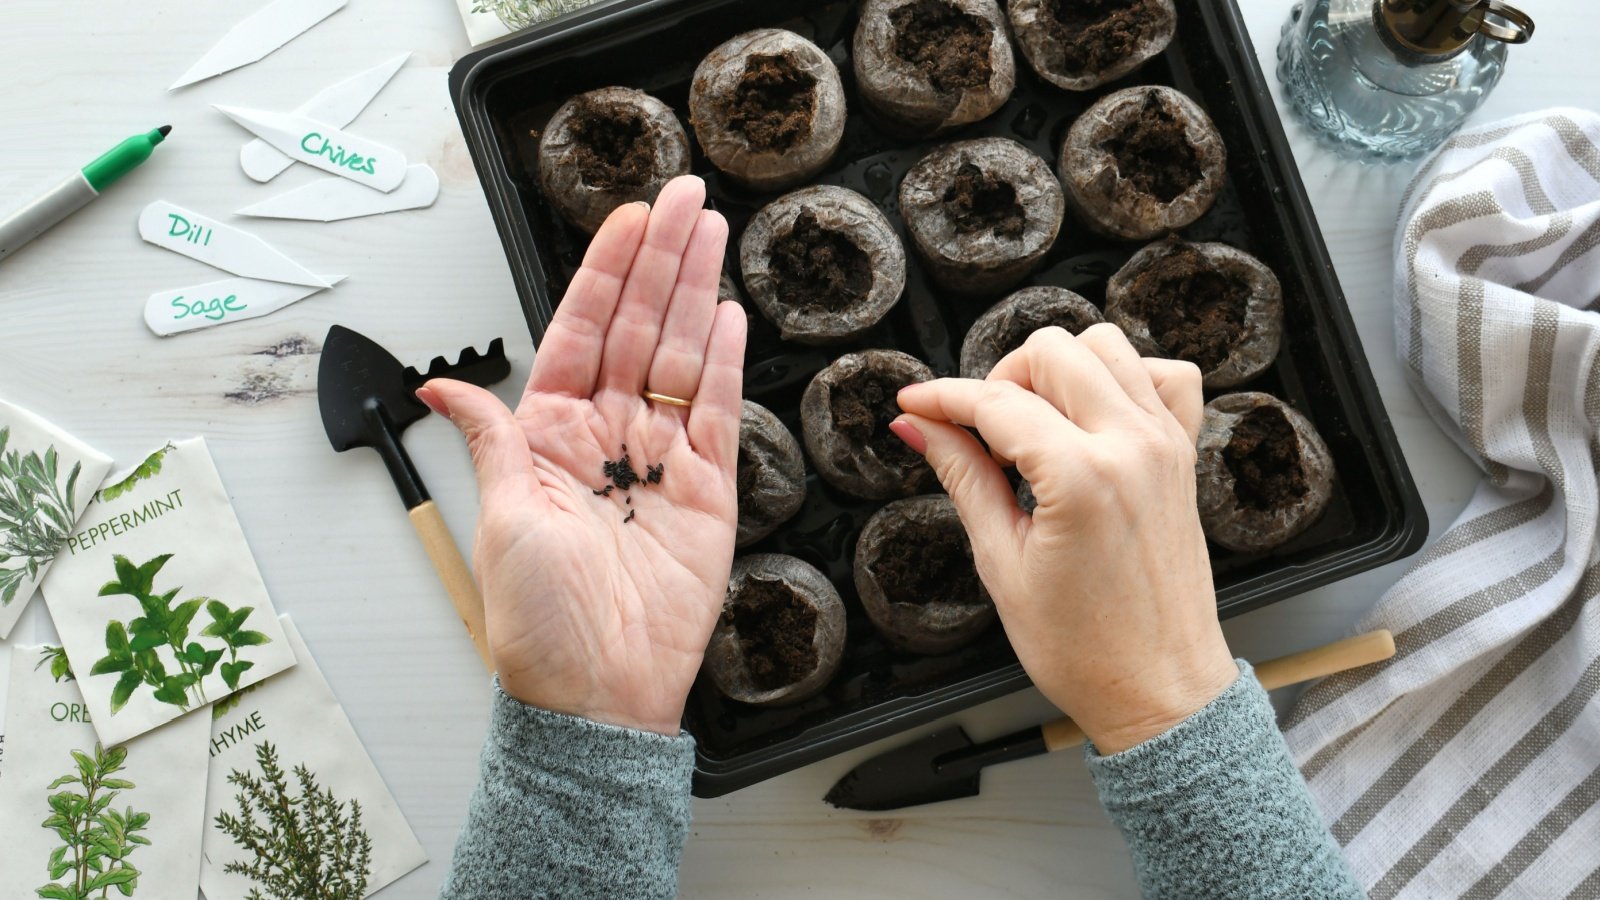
(507, 91)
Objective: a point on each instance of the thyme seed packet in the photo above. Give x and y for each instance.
(292, 797)
(157, 599)
(47, 477)
(84, 819)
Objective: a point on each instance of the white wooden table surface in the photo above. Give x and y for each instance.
(330, 536)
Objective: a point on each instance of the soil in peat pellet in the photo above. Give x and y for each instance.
(776, 630)
(1155, 155)
(613, 147)
(817, 269)
(948, 46)
(773, 105)
(978, 202)
(1196, 313)
(1097, 34)
(1264, 456)
(863, 405)
(921, 564)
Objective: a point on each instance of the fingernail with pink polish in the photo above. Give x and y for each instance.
(908, 432)
(433, 402)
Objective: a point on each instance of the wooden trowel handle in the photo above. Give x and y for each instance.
(453, 571)
(1318, 662)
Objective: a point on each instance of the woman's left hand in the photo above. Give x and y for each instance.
(590, 613)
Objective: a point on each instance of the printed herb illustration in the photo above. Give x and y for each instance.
(36, 514)
(96, 839)
(516, 14)
(304, 845)
(134, 650)
(60, 669)
(150, 468)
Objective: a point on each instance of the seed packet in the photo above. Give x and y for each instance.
(293, 798)
(157, 598)
(47, 477)
(84, 819)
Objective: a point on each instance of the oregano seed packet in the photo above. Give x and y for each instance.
(158, 600)
(293, 798)
(47, 477)
(84, 819)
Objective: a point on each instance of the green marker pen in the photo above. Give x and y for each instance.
(75, 193)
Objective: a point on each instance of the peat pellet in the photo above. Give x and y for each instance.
(1141, 163)
(1007, 325)
(982, 213)
(768, 108)
(771, 474)
(916, 578)
(845, 415)
(1264, 474)
(608, 147)
(822, 263)
(1210, 304)
(1081, 44)
(927, 66)
(1025, 498)
(781, 634)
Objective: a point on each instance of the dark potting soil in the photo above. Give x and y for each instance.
(977, 202)
(773, 106)
(776, 629)
(948, 46)
(924, 563)
(863, 405)
(1196, 313)
(748, 471)
(819, 269)
(1264, 456)
(1018, 328)
(613, 147)
(1097, 34)
(1155, 155)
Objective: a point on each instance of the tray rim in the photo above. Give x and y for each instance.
(1224, 23)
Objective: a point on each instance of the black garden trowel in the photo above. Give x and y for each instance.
(367, 399)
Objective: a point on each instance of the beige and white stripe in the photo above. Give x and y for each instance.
(1469, 765)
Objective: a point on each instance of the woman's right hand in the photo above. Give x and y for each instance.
(1105, 591)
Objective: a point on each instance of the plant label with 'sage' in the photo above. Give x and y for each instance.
(220, 302)
(85, 819)
(158, 601)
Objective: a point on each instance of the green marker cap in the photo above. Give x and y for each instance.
(123, 158)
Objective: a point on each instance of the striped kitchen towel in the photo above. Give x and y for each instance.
(1469, 765)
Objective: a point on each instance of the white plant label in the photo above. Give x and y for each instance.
(158, 600)
(322, 145)
(147, 835)
(298, 721)
(220, 303)
(47, 478)
(269, 28)
(337, 104)
(333, 199)
(225, 247)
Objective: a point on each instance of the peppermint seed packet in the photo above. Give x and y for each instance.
(157, 599)
(84, 819)
(293, 798)
(47, 477)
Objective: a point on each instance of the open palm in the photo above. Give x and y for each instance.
(600, 605)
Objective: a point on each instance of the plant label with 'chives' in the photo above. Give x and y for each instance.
(85, 819)
(272, 749)
(47, 477)
(157, 599)
(337, 104)
(222, 246)
(322, 145)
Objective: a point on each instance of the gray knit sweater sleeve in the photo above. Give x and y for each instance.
(566, 807)
(1214, 807)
